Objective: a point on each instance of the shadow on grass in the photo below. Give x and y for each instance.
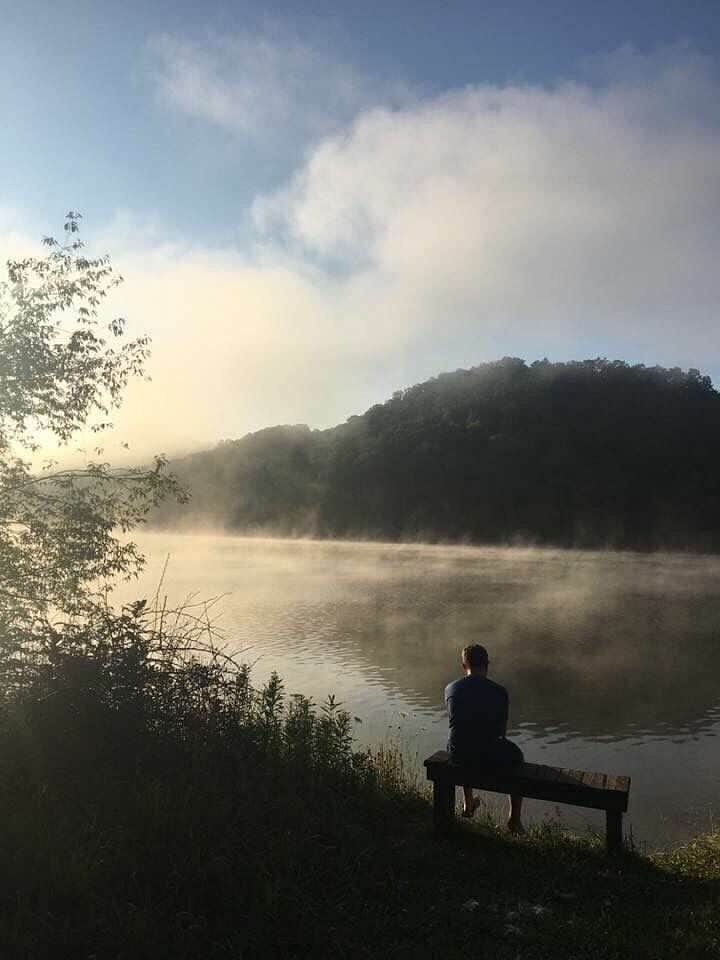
(277, 865)
(553, 895)
(193, 832)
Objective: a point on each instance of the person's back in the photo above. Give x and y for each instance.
(478, 713)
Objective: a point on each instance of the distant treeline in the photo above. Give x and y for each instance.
(589, 453)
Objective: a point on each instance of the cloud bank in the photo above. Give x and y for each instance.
(566, 221)
(575, 207)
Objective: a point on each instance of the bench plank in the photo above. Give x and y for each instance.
(618, 783)
(542, 772)
(596, 780)
(573, 777)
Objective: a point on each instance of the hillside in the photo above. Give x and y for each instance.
(587, 453)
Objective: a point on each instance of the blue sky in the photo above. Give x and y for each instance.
(317, 203)
(80, 86)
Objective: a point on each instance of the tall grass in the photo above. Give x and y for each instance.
(155, 803)
(150, 791)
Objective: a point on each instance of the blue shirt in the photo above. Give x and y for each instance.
(478, 712)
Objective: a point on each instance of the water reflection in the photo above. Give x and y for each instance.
(591, 647)
(601, 652)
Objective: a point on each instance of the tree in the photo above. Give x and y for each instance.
(63, 369)
(591, 453)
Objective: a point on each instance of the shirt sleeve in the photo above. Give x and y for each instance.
(506, 710)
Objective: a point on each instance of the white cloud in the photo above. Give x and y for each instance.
(270, 86)
(513, 206)
(564, 222)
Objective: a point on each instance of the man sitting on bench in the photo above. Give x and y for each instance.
(478, 712)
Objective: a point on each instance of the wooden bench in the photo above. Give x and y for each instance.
(601, 791)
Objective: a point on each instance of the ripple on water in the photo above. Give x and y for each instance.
(610, 659)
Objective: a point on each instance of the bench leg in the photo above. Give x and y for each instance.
(443, 805)
(614, 831)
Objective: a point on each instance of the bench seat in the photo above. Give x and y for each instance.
(601, 791)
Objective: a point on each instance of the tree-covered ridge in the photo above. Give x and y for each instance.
(591, 453)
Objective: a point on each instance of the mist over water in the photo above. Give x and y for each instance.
(611, 659)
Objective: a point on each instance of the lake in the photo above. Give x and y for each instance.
(612, 660)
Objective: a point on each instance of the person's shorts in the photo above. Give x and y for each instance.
(503, 754)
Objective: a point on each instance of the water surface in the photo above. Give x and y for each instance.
(612, 660)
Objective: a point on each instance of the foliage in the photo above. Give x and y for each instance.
(62, 369)
(272, 480)
(147, 811)
(120, 683)
(591, 453)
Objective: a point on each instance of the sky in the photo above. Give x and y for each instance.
(316, 204)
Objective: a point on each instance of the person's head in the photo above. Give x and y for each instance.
(475, 659)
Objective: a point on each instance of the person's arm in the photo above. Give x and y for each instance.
(504, 718)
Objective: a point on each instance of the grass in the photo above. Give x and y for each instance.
(189, 816)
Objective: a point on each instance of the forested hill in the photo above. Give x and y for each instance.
(590, 453)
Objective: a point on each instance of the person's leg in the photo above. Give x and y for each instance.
(515, 824)
(470, 803)
(512, 756)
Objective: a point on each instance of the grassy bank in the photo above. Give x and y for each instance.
(179, 813)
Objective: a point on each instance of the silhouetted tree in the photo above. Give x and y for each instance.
(61, 369)
(587, 453)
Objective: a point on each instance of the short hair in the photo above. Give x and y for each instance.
(475, 655)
